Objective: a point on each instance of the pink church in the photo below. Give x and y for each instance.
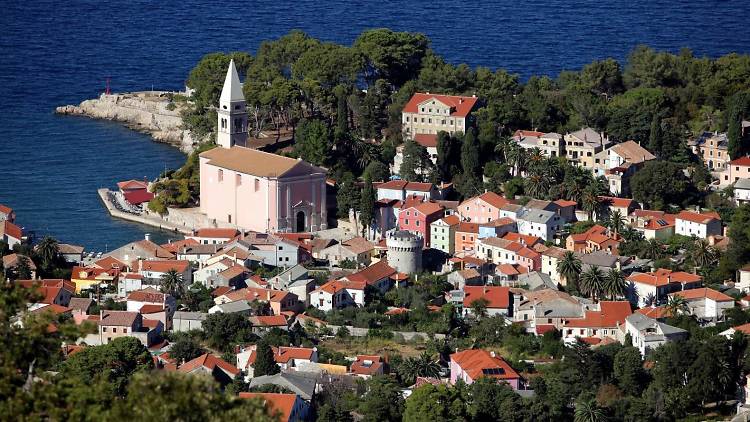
(252, 189)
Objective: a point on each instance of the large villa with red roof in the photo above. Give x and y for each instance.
(252, 189)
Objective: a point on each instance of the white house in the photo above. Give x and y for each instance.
(701, 225)
(213, 236)
(743, 279)
(550, 257)
(202, 274)
(401, 189)
(706, 304)
(288, 358)
(338, 294)
(152, 271)
(742, 191)
(645, 289)
(540, 223)
(648, 334)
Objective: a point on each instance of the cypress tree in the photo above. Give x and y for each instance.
(264, 361)
(367, 204)
(443, 156)
(738, 106)
(470, 155)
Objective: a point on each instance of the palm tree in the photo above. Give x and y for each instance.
(423, 365)
(615, 284)
(616, 222)
(48, 249)
(677, 305)
(590, 201)
(172, 283)
(592, 282)
(502, 147)
(653, 249)
(702, 253)
(536, 186)
(588, 411)
(569, 267)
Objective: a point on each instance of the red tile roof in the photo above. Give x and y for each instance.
(655, 312)
(221, 290)
(491, 198)
(466, 227)
(132, 184)
(460, 106)
(744, 328)
(257, 293)
(165, 266)
(269, 321)
(662, 277)
(700, 218)
(334, 286)
(610, 314)
(524, 239)
(11, 230)
(372, 274)
(285, 354)
(276, 403)
(525, 133)
(366, 365)
(148, 295)
(109, 262)
(451, 220)
(742, 161)
(427, 208)
(426, 140)
(498, 297)
(5, 210)
(209, 362)
(617, 202)
(177, 245)
(481, 363)
(404, 185)
(151, 309)
(704, 292)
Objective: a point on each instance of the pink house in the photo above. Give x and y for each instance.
(418, 218)
(256, 190)
(470, 365)
(483, 208)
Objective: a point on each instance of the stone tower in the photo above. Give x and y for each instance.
(232, 111)
(404, 251)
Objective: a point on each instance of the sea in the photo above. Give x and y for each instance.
(61, 52)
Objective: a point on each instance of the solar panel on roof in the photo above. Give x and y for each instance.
(493, 371)
(661, 222)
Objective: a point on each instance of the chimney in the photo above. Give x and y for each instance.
(492, 354)
(140, 264)
(147, 236)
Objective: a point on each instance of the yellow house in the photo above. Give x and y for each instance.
(88, 277)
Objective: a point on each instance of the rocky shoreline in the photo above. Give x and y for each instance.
(150, 112)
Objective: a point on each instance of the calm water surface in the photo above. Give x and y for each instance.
(54, 53)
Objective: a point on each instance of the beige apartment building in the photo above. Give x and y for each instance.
(713, 149)
(550, 144)
(581, 146)
(427, 113)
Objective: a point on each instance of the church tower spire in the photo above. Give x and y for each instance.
(232, 112)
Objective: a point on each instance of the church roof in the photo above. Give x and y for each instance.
(254, 162)
(232, 90)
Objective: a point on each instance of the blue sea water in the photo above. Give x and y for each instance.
(60, 52)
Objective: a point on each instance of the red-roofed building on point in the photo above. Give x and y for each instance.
(470, 365)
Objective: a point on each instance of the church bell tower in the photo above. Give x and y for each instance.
(232, 111)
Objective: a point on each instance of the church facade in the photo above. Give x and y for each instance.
(252, 189)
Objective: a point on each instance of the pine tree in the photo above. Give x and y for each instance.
(367, 204)
(264, 361)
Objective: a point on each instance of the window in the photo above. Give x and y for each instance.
(407, 119)
(229, 218)
(104, 329)
(422, 109)
(429, 121)
(114, 329)
(257, 184)
(422, 119)
(417, 223)
(221, 175)
(239, 179)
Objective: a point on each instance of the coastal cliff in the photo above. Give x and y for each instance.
(150, 112)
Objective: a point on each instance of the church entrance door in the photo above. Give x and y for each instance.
(300, 226)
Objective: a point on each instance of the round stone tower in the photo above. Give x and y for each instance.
(405, 251)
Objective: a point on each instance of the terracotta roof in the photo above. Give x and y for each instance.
(82, 304)
(662, 277)
(253, 161)
(216, 233)
(744, 328)
(610, 314)
(498, 297)
(177, 245)
(11, 230)
(655, 312)
(555, 252)
(119, 318)
(491, 198)
(565, 203)
(256, 293)
(523, 239)
(148, 295)
(647, 213)
(92, 273)
(397, 311)
(404, 185)
(511, 269)
(132, 184)
(12, 260)
(632, 152)
(233, 271)
(358, 245)
(285, 354)
(373, 273)
(481, 363)
(525, 133)
(617, 202)
(51, 307)
(704, 292)
(269, 321)
(151, 309)
(460, 106)
(209, 362)
(700, 218)
(5, 209)
(334, 286)
(275, 403)
(366, 365)
(466, 227)
(450, 220)
(426, 140)
(109, 262)
(164, 266)
(742, 161)
(427, 208)
(499, 222)
(221, 290)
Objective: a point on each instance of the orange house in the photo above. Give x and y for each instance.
(466, 237)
